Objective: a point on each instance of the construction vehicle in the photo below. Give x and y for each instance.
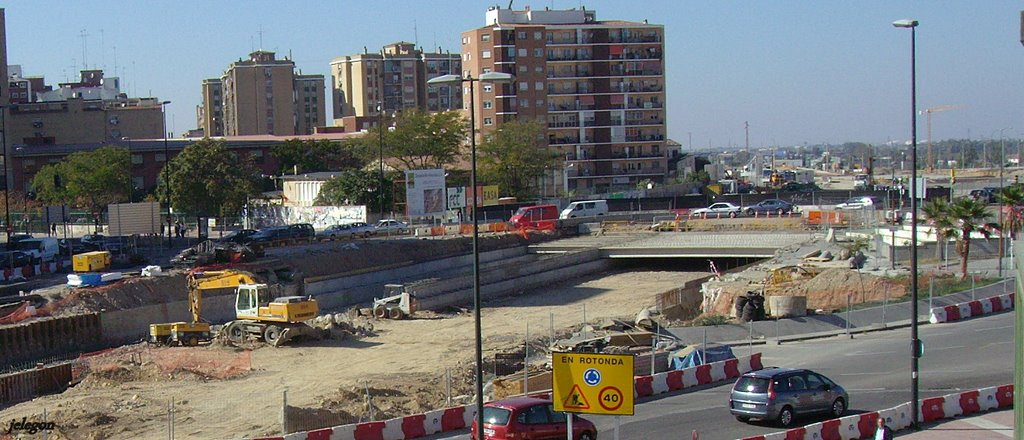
(261, 312)
(399, 305)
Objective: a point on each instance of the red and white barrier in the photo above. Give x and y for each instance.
(956, 312)
(28, 271)
(700, 375)
(862, 426)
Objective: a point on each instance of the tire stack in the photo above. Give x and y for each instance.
(750, 307)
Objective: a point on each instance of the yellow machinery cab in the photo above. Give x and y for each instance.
(256, 302)
(90, 261)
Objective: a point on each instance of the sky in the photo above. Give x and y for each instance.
(797, 72)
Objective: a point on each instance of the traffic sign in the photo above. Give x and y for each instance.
(593, 383)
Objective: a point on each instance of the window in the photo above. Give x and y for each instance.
(539, 85)
(485, 37)
(536, 415)
(488, 121)
(524, 103)
(522, 51)
(488, 104)
(540, 103)
(485, 54)
(160, 157)
(521, 35)
(488, 87)
(136, 159)
(538, 52)
(523, 68)
(465, 40)
(465, 56)
(539, 69)
(524, 86)
(486, 70)
(537, 35)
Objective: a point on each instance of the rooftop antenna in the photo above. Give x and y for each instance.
(115, 60)
(85, 64)
(260, 33)
(103, 51)
(415, 34)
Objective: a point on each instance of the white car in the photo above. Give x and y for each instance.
(391, 227)
(718, 209)
(859, 203)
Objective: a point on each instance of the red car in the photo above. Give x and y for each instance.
(530, 418)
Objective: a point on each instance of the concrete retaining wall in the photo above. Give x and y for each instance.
(360, 288)
(48, 337)
(122, 326)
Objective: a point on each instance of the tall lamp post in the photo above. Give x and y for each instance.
(7, 174)
(380, 128)
(167, 182)
(1002, 232)
(915, 343)
(456, 79)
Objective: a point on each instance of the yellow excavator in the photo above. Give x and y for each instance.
(261, 313)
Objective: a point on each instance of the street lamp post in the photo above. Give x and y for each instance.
(915, 344)
(1002, 231)
(449, 79)
(167, 182)
(380, 128)
(7, 175)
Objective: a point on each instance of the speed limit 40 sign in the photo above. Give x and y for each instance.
(593, 383)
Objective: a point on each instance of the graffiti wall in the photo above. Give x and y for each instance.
(318, 216)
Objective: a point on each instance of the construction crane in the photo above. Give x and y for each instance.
(929, 111)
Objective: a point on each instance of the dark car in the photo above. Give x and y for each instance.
(93, 242)
(987, 195)
(12, 259)
(269, 235)
(773, 206)
(529, 417)
(12, 244)
(72, 246)
(240, 236)
(302, 230)
(781, 394)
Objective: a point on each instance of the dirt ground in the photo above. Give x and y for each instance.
(402, 365)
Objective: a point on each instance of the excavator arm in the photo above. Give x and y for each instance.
(200, 281)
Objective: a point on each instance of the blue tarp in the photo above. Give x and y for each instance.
(695, 355)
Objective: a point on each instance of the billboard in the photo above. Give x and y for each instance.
(457, 197)
(425, 193)
(134, 218)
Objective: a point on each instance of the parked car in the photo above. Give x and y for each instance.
(987, 195)
(534, 216)
(774, 206)
(302, 230)
(781, 394)
(720, 208)
(529, 417)
(72, 246)
(391, 226)
(347, 230)
(268, 235)
(240, 236)
(585, 208)
(41, 249)
(12, 244)
(19, 259)
(861, 202)
(93, 242)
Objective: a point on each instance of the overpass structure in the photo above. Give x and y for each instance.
(679, 244)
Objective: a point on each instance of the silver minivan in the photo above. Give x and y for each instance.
(780, 394)
(586, 208)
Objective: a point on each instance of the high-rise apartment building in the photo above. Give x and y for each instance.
(598, 85)
(397, 75)
(263, 95)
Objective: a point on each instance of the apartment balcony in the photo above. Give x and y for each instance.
(573, 57)
(635, 39)
(572, 74)
(569, 107)
(647, 155)
(645, 138)
(644, 105)
(638, 89)
(578, 90)
(637, 56)
(645, 122)
(563, 140)
(564, 124)
(561, 40)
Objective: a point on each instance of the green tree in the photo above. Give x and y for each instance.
(514, 157)
(355, 187)
(699, 176)
(937, 213)
(91, 179)
(313, 155)
(1011, 202)
(968, 216)
(208, 180)
(418, 139)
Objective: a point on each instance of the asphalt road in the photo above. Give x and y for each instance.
(873, 367)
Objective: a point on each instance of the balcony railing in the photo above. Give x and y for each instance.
(637, 56)
(568, 91)
(645, 138)
(570, 74)
(635, 39)
(569, 107)
(563, 140)
(637, 89)
(563, 124)
(645, 105)
(645, 122)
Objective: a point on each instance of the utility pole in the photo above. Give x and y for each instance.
(746, 130)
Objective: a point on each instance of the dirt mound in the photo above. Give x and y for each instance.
(142, 363)
(124, 294)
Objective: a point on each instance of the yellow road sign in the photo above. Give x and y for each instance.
(593, 383)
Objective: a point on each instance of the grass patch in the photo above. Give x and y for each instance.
(713, 319)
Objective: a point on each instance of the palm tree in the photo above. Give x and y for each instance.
(1011, 201)
(936, 212)
(968, 216)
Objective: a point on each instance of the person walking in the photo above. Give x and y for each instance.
(883, 432)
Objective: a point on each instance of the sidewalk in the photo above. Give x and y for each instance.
(985, 426)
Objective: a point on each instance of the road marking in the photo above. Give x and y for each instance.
(868, 353)
(947, 348)
(863, 374)
(984, 423)
(867, 390)
(992, 328)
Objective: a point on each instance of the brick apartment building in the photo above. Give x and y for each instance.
(397, 75)
(598, 85)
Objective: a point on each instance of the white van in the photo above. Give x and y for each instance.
(585, 208)
(41, 249)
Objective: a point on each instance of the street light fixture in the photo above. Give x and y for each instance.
(456, 79)
(915, 343)
(7, 175)
(167, 182)
(1002, 232)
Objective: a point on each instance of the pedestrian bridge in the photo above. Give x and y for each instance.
(678, 244)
